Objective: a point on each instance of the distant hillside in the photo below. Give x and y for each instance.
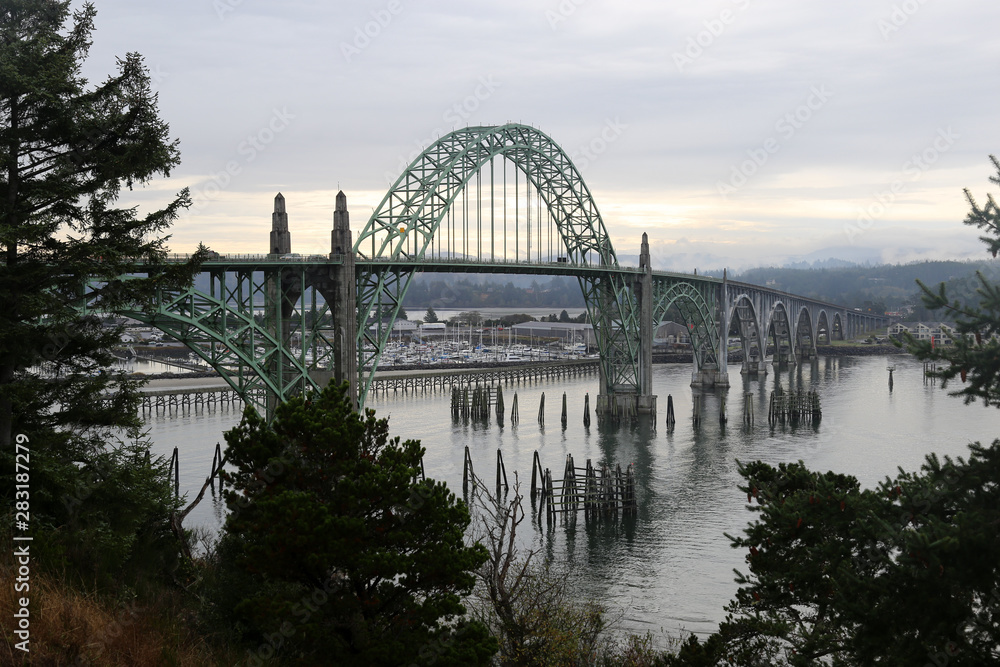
(893, 285)
(442, 290)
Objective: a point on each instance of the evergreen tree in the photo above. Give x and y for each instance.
(339, 552)
(975, 355)
(430, 317)
(66, 150)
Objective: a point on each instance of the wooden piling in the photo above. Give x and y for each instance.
(586, 410)
(467, 473)
(565, 416)
(216, 468)
(501, 470)
(536, 466)
(670, 411)
(748, 409)
(541, 410)
(175, 467)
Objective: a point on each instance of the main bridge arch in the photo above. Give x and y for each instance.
(403, 229)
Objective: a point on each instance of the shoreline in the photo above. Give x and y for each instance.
(667, 358)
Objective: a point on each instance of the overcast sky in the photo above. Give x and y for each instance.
(735, 132)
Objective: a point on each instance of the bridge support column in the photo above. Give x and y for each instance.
(278, 299)
(717, 375)
(646, 401)
(709, 376)
(637, 399)
(345, 302)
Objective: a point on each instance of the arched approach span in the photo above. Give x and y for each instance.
(696, 305)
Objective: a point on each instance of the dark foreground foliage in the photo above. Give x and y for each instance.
(336, 551)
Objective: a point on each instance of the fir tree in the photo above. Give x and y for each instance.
(338, 551)
(67, 148)
(975, 355)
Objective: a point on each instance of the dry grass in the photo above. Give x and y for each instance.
(73, 628)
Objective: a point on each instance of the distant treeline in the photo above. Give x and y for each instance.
(448, 290)
(884, 287)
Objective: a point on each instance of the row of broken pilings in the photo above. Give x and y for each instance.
(598, 492)
(478, 402)
(790, 408)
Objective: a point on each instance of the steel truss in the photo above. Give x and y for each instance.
(264, 328)
(405, 223)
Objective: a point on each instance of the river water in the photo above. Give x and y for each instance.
(670, 567)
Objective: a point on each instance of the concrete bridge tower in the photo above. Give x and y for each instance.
(281, 238)
(344, 306)
(647, 331)
(279, 301)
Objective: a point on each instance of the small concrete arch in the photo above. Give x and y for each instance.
(837, 329)
(805, 335)
(823, 328)
(696, 314)
(744, 321)
(778, 330)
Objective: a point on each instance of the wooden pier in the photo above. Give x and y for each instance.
(172, 399)
(431, 380)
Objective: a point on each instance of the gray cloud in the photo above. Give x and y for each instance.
(357, 115)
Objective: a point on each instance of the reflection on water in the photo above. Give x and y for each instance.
(670, 566)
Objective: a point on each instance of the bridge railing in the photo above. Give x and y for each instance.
(180, 258)
(495, 261)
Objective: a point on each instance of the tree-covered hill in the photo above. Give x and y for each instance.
(893, 285)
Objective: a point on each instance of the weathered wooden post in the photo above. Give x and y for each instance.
(586, 410)
(696, 403)
(513, 410)
(670, 412)
(748, 409)
(536, 465)
(541, 410)
(467, 473)
(564, 413)
(501, 470)
(217, 467)
(175, 466)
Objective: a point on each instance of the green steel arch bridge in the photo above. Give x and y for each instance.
(485, 199)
